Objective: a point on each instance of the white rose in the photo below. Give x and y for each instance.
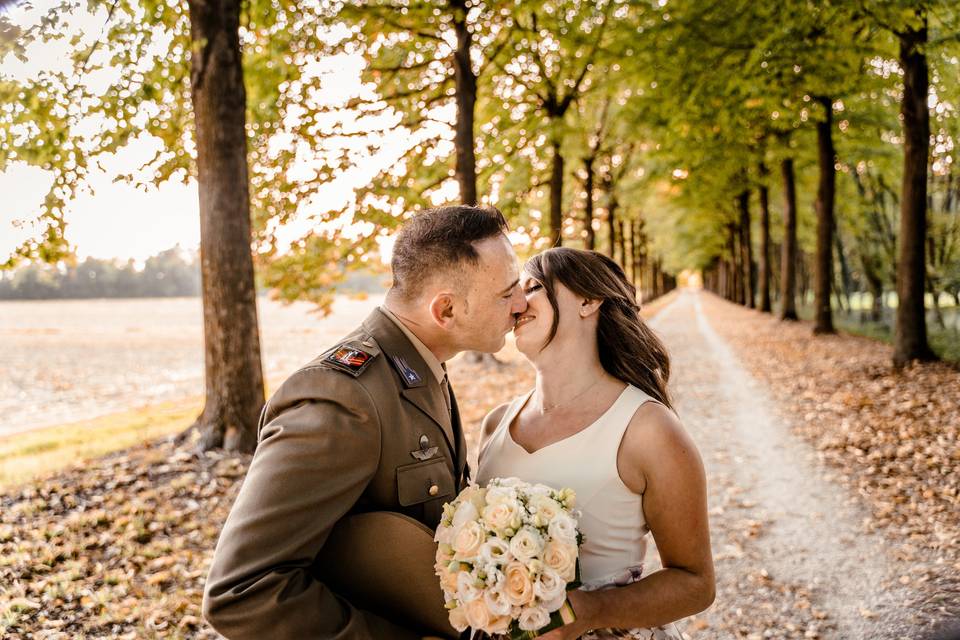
(564, 528)
(466, 512)
(496, 602)
(562, 558)
(549, 585)
(527, 544)
(458, 618)
(533, 618)
(443, 535)
(539, 490)
(507, 482)
(555, 604)
(478, 616)
(496, 495)
(467, 590)
(495, 551)
(502, 515)
(545, 507)
(467, 541)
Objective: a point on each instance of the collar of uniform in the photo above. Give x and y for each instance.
(436, 367)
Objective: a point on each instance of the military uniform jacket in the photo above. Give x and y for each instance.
(363, 427)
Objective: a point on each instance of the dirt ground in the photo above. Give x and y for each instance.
(120, 546)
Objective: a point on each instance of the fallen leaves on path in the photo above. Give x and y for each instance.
(892, 436)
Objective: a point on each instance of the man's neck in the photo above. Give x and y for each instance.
(418, 328)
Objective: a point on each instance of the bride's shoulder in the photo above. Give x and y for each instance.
(492, 419)
(656, 437)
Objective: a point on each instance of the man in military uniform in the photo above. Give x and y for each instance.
(369, 425)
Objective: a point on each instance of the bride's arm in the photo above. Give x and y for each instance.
(658, 459)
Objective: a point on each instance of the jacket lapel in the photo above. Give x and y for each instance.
(420, 387)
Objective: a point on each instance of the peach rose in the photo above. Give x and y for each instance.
(502, 515)
(478, 616)
(562, 558)
(517, 586)
(467, 540)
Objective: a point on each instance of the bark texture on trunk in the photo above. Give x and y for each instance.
(234, 378)
(764, 241)
(590, 238)
(746, 249)
(910, 333)
(466, 98)
(611, 219)
(556, 197)
(823, 263)
(788, 261)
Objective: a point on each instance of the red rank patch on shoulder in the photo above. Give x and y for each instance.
(350, 357)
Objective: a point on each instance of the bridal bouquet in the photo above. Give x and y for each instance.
(507, 555)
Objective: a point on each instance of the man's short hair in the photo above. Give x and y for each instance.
(438, 240)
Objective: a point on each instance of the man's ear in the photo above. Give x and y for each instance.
(441, 309)
(589, 307)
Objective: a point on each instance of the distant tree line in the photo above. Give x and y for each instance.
(170, 273)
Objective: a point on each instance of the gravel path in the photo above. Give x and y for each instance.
(792, 556)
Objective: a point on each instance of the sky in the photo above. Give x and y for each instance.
(120, 221)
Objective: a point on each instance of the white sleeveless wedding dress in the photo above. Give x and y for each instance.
(612, 522)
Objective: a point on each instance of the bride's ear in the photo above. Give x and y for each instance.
(589, 307)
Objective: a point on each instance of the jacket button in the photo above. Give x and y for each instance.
(433, 490)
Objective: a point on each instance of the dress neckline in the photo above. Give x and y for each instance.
(526, 399)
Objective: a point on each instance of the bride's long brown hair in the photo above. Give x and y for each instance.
(629, 350)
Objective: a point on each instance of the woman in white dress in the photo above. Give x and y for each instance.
(600, 421)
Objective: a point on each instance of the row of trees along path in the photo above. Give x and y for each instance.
(644, 130)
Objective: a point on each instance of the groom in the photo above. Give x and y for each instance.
(369, 425)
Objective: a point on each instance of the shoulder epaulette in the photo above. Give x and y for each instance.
(351, 357)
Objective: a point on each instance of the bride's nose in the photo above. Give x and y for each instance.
(519, 301)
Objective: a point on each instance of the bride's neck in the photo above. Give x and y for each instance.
(562, 375)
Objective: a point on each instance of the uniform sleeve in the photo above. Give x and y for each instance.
(319, 447)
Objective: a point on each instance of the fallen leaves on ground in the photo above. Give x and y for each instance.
(120, 547)
(892, 436)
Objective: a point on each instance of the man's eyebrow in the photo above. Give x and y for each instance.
(510, 288)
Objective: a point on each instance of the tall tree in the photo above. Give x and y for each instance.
(788, 261)
(234, 378)
(826, 226)
(910, 334)
(764, 284)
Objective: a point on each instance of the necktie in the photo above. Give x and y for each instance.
(445, 387)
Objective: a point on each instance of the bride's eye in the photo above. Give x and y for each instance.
(533, 287)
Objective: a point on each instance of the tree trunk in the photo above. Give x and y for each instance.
(466, 98)
(590, 237)
(622, 242)
(746, 250)
(234, 378)
(611, 225)
(556, 197)
(788, 261)
(846, 278)
(736, 268)
(764, 241)
(823, 263)
(910, 333)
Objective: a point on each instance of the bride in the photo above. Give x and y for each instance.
(600, 421)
